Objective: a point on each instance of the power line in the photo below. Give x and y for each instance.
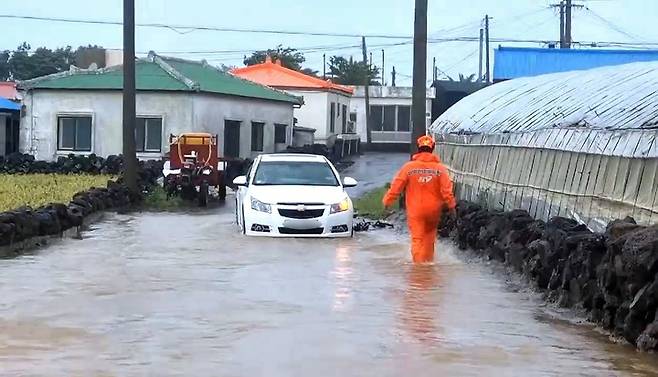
(464, 59)
(612, 25)
(178, 28)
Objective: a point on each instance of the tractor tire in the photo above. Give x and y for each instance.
(203, 194)
(222, 192)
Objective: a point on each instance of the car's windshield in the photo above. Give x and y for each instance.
(304, 173)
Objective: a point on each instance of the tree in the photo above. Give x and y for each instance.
(4, 65)
(350, 72)
(462, 78)
(25, 66)
(289, 57)
(84, 56)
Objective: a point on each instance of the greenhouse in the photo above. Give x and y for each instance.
(579, 144)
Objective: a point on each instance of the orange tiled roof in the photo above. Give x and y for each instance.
(275, 75)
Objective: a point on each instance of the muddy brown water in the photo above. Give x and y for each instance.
(187, 295)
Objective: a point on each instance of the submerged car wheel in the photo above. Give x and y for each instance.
(244, 223)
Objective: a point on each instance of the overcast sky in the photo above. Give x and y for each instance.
(606, 20)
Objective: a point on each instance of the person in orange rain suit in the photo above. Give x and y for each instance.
(428, 190)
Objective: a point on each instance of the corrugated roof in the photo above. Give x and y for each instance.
(515, 62)
(579, 110)
(6, 104)
(275, 75)
(161, 74)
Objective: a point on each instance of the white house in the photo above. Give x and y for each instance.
(390, 114)
(80, 111)
(326, 105)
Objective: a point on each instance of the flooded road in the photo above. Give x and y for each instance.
(187, 295)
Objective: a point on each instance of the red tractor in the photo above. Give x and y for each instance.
(193, 168)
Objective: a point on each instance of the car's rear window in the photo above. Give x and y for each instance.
(294, 173)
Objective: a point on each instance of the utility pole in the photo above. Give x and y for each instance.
(486, 35)
(367, 91)
(371, 60)
(562, 41)
(393, 77)
(567, 24)
(129, 117)
(324, 66)
(434, 69)
(383, 69)
(418, 102)
(481, 51)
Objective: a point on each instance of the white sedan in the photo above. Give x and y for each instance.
(294, 195)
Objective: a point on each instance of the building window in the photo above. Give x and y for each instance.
(376, 117)
(404, 118)
(74, 133)
(353, 117)
(280, 133)
(344, 120)
(390, 118)
(332, 118)
(257, 130)
(148, 135)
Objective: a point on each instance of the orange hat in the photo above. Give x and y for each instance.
(426, 141)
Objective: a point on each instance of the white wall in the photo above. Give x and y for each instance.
(181, 112)
(3, 134)
(339, 100)
(315, 113)
(358, 105)
(210, 112)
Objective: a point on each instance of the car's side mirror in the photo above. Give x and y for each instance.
(349, 182)
(240, 181)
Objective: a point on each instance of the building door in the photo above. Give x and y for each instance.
(9, 137)
(231, 138)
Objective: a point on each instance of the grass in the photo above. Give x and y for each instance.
(157, 200)
(370, 205)
(35, 190)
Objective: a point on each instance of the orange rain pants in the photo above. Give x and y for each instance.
(428, 189)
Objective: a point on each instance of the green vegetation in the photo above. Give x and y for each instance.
(156, 199)
(35, 190)
(370, 205)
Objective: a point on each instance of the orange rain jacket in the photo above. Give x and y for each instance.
(428, 189)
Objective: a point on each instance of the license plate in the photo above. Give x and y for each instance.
(301, 224)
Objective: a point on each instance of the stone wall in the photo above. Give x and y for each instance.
(25, 223)
(613, 275)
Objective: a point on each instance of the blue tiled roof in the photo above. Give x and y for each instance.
(514, 62)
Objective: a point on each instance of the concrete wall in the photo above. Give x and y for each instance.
(3, 134)
(210, 114)
(315, 113)
(302, 138)
(181, 112)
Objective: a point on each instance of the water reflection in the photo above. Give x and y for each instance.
(419, 305)
(342, 277)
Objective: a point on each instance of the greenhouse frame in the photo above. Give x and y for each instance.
(578, 144)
